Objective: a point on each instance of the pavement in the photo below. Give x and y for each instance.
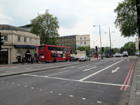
(134, 98)
(15, 69)
(135, 87)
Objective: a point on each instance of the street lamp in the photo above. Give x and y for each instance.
(110, 38)
(99, 33)
(100, 37)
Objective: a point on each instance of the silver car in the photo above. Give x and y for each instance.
(84, 58)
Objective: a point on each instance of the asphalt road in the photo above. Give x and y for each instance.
(104, 82)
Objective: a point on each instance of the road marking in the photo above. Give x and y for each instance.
(138, 75)
(51, 92)
(89, 69)
(83, 98)
(128, 60)
(57, 73)
(60, 94)
(99, 102)
(99, 71)
(87, 82)
(71, 96)
(68, 67)
(113, 71)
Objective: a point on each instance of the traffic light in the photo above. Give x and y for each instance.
(1, 41)
(102, 49)
(138, 14)
(96, 48)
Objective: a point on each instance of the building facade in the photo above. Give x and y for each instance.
(74, 41)
(18, 43)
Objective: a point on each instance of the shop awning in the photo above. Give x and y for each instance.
(25, 46)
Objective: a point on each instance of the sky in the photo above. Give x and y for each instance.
(76, 17)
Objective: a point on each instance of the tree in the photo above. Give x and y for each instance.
(127, 18)
(45, 26)
(129, 47)
(82, 48)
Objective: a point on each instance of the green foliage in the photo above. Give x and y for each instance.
(127, 18)
(116, 50)
(45, 26)
(82, 48)
(129, 47)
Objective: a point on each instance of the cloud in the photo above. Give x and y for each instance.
(74, 16)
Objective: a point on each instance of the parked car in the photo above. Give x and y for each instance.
(125, 54)
(84, 58)
(118, 55)
(73, 58)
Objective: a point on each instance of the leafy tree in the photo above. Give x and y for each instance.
(45, 26)
(129, 47)
(127, 18)
(116, 50)
(82, 48)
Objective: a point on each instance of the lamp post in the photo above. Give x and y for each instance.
(110, 39)
(100, 38)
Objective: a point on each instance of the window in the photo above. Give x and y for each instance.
(84, 42)
(80, 42)
(5, 37)
(81, 38)
(35, 41)
(25, 39)
(30, 40)
(42, 47)
(18, 39)
(84, 37)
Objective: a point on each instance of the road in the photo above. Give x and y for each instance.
(104, 82)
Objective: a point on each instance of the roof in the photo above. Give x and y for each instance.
(9, 27)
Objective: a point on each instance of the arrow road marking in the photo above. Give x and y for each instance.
(89, 69)
(113, 71)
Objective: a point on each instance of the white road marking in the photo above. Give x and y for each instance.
(32, 88)
(40, 90)
(99, 102)
(60, 94)
(51, 92)
(71, 96)
(113, 71)
(89, 69)
(128, 60)
(25, 86)
(138, 75)
(13, 83)
(88, 82)
(99, 71)
(57, 73)
(68, 67)
(83, 98)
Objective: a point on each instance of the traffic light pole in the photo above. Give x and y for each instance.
(138, 20)
(1, 41)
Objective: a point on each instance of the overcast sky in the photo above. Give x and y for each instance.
(74, 16)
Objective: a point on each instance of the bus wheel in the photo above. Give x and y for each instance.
(54, 60)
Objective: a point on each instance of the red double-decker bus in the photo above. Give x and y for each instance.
(53, 53)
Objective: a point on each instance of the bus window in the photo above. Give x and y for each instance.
(42, 47)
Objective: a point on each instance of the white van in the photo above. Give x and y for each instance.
(125, 54)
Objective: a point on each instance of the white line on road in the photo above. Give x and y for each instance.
(89, 69)
(68, 68)
(113, 71)
(57, 73)
(99, 71)
(88, 82)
